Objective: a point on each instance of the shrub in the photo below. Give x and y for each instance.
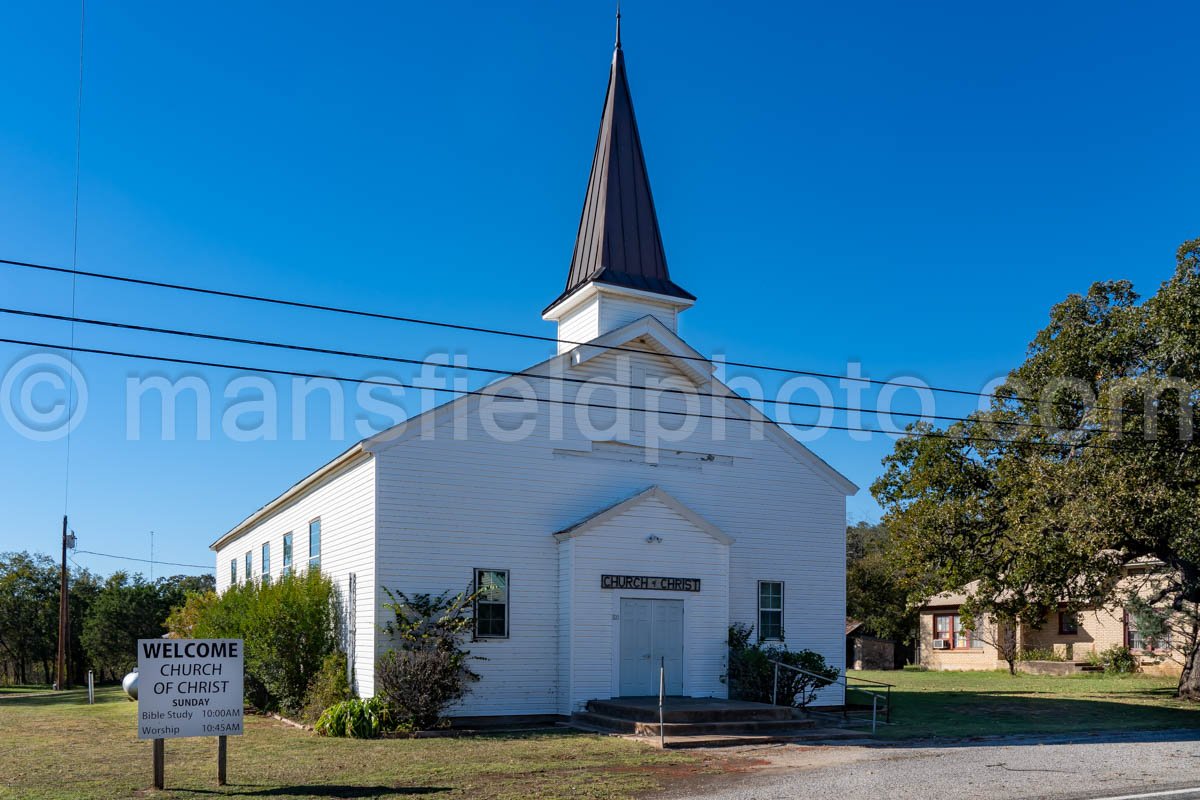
(1117, 660)
(328, 688)
(356, 719)
(751, 675)
(289, 627)
(429, 671)
(1040, 654)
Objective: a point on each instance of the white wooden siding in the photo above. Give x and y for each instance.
(345, 504)
(448, 504)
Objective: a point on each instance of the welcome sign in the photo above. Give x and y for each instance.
(189, 687)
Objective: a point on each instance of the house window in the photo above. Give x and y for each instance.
(1068, 623)
(1133, 638)
(770, 610)
(266, 563)
(233, 572)
(948, 629)
(314, 544)
(287, 554)
(249, 567)
(491, 604)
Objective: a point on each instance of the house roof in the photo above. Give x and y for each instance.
(619, 242)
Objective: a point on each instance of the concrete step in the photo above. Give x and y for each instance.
(690, 710)
(742, 727)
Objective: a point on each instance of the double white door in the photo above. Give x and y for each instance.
(651, 635)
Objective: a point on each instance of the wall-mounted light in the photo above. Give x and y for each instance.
(653, 539)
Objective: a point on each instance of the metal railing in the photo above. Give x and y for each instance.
(844, 680)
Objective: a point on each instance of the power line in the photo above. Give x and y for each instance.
(144, 560)
(510, 373)
(494, 331)
(485, 393)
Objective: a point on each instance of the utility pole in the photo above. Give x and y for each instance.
(64, 629)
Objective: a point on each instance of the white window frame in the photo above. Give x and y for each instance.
(233, 571)
(265, 567)
(762, 637)
(314, 561)
(507, 603)
(287, 554)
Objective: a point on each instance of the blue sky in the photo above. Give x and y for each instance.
(908, 186)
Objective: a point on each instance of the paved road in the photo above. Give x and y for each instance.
(1158, 765)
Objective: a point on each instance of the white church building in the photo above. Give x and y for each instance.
(611, 539)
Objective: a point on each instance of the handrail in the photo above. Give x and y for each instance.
(844, 679)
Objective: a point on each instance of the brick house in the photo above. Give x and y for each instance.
(945, 644)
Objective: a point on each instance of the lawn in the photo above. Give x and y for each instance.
(57, 747)
(987, 703)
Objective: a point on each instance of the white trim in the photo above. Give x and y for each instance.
(655, 493)
(592, 289)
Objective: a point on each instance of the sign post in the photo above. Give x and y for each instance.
(189, 687)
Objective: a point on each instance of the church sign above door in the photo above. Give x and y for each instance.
(654, 583)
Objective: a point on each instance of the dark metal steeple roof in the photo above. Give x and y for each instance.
(618, 241)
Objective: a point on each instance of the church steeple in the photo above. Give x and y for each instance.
(619, 246)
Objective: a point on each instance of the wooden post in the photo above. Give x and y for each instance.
(159, 757)
(60, 666)
(222, 747)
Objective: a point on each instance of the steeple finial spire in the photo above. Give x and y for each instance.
(617, 44)
(619, 243)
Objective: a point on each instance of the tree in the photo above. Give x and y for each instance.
(876, 585)
(1085, 461)
(123, 611)
(28, 616)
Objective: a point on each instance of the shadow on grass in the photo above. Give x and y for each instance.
(69, 697)
(320, 790)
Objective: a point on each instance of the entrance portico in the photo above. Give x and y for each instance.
(642, 584)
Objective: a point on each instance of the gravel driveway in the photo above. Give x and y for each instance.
(1161, 764)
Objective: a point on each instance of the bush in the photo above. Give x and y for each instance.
(289, 627)
(356, 719)
(751, 675)
(328, 688)
(1040, 654)
(429, 671)
(1117, 660)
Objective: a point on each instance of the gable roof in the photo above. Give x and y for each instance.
(652, 493)
(619, 242)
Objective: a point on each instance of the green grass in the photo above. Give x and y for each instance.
(60, 748)
(29, 689)
(965, 704)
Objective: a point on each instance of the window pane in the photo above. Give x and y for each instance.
(314, 543)
(266, 558)
(232, 571)
(770, 624)
(491, 605)
(493, 587)
(287, 552)
(249, 567)
(770, 595)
